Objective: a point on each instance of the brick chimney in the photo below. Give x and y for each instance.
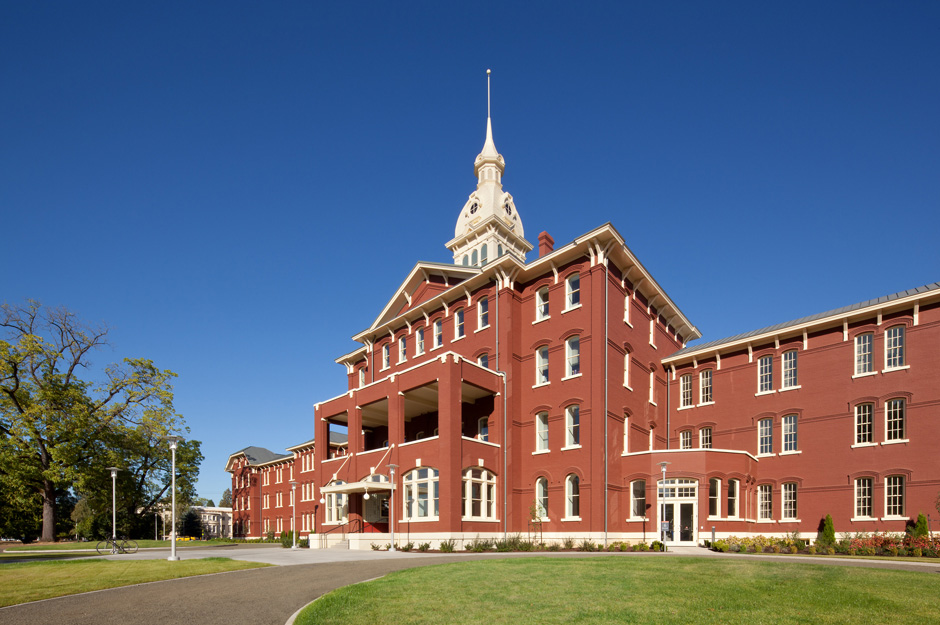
(546, 244)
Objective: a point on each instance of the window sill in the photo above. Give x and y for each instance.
(862, 519)
(706, 403)
(653, 403)
(469, 519)
(421, 353)
(429, 519)
(628, 387)
(759, 393)
(767, 521)
(715, 518)
(481, 328)
(864, 375)
(571, 377)
(791, 453)
(568, 447)
(637, 519)
(437, 347)
(789, 521)
(653, 345)
(897, 442)
(791, 388)
(458, 338)
(766, 455)
(856, 445)
(401, 362)
(541, 319)
(540, 384)
(570, 518)
(896, 369)
(384, 368)
(567, 310)
(895, 518)
(685, 407)
(628, 323)
(540, 452)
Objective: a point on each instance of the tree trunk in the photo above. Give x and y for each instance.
(48, 512)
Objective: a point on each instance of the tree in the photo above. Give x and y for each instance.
(58, 431)
(191, 524)
(827, 533)
(226, 501)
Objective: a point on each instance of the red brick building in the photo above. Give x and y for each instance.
(516, 396)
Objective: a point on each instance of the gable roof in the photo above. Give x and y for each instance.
(836, 314)
(256, 456)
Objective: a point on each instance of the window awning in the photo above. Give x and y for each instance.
(356, 487)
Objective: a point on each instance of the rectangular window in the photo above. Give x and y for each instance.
(541, 304)
(419, 344)
(789, 501)
(573, 352)
(864, 361)
(685, 439)
(541, 365)
(705, 438)
(385, 356)
(652, 387)
(483, 313)
(894, 495)
(573, 423)
(458, 324)
(765, 508)
(541, 431)
(403, 349)
(573, 290)
(733, 499)
(438, 333)
(714, 492)
(626, 309)
(626, 369)
(863, 498)
(685, 391)
(894, 347)
(653, 332)
(765, 374)
(789, 369)
(765, 436)
(895, 429)
(789, 433)
(705, 387)
(638, 499)
(864, 424)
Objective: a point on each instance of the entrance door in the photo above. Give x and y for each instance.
(678, 508)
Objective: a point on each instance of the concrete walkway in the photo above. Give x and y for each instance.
(271, 595)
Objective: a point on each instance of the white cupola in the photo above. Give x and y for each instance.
(488, 225)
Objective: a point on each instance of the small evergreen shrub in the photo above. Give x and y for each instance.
(812, 550)
(827, 533)
(657, 546)
(917, 552)
(424, 547)
(919, 529)
(720, 546)
(448, 546)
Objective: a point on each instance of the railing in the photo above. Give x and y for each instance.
(353, 526)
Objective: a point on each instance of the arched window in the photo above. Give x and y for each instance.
(541, 365)
(541, 431)
(479, 495)
(573, 291)
(573, 355)
(573, 426)
(541, 304)
(483, 428)
(638, 499)
(499, 250)
(572, 497)
(483, 255)
(473, 258)
(541, 499)
(466, 260)
(420, 494)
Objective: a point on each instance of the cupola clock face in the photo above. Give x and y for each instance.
(508, 208)
(474, 207)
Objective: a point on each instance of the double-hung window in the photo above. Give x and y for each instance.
(419, 343)
(541, 365)
(385, 356)
(894, 347)
(572, 497)
(626, 369)
(438, 333)
(573, 426)
(362, 377)
(420, 500)
(765, 374)
(541, 431)
(685, 439)
(483, 313)
(458, 324)
(479, 495)
(863, 498)
(864, 424)
(638, 499)
(765, 508)
(864, 360)
(484, 360)
(789, 433)
(573, 355)
(483, 428)
(541, 499)
(685, 391)
(705, 438)
(895, 426)
(894, 496)
(789, 369)
(573, 291)
(402, 349)
(705, 387)
(733, 498)
(765, 436)
(714, 495)
(789, 501)
(541, 304)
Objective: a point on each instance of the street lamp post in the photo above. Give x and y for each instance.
(391, 505)
(174, 441)
(662, 506)
(293, 506)
(114, 472)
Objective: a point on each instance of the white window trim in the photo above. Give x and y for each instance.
(541, 320)
(872, 444)
(790, 388)
(540, 384)
(570, 447)
(758, 394)
(539, 452)
(707, 403)
(570, 377)
(790, 453)
(901, 368)
(566, 310)
(865, 375)
(895, 442)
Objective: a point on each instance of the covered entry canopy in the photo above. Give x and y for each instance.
(356, 487)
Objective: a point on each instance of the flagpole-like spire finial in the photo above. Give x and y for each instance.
(487, 93)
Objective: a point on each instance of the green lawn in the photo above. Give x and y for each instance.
(661, 590)
(22, 582)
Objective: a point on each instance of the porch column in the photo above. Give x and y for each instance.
(449, 426)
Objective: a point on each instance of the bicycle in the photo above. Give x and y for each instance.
(111, 546)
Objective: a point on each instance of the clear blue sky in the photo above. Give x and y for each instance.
(239, 187)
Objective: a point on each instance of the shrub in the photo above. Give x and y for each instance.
(408, 546)
(287, 539)
(448, 546)
(918, 529)
(657, 546)
(917, 552)
(794, 549)
(554, 547)
(827, 533)
(376, 547)
(269, 537)
(812, 550)
(830, 551)
(587, 545)
(776, 548)
(567, 543)
(424, 547)
(720, 546)
(479, 545)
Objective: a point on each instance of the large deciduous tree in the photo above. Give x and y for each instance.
(58, 431)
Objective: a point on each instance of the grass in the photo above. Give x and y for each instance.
(634, 590)
(143, 543)
(31, 581)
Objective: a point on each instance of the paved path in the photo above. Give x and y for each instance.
(271, 595)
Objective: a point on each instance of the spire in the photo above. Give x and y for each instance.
(489, 155)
